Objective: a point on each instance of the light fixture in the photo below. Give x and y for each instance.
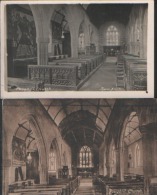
(29, 158)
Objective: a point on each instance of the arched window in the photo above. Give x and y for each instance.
(85, 157)
(137, 156)
(113, 155)
(112, 36)
(81, 41)
(52, 160)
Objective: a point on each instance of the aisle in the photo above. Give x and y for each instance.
(104, 79)
(86, 187)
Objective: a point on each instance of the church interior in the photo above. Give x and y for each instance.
(84, 47)
(79, 147)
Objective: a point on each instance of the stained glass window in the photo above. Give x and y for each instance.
(112, 36)
(85, 157)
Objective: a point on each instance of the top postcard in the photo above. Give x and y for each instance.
(77, 50)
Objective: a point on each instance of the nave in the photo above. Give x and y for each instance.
(72, 47)
(79, 146)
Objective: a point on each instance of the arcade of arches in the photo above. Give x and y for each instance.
(109, 142)
(59, 34)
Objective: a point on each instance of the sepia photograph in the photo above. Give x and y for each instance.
(78, 47)
(79, 147)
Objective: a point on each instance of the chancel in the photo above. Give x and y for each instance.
(84, 47)
(79, 146)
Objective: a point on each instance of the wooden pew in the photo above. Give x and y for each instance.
(81, 67)
(60, 76)
(66, 73)
(61, 187)
(136, 75)
(109, 186)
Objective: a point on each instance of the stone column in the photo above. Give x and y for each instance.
(43, 174)
(74, 45)
(42, 51)
(149, 134)
(120, 164)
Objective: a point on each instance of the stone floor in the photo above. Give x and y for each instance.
(104, 79)
(86, 188)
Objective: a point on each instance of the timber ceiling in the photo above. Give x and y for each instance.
(101, 13)
(80, 121)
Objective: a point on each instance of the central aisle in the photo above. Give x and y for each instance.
(104, 79)
(86, 187)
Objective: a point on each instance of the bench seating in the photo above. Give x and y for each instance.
(134, 75)
(109, 186)
(60, 187)
(66, 73)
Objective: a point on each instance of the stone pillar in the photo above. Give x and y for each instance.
(43, 174)
(107, 164)
(149, 134)
(42, 51)
(120, 164)
(74, 44)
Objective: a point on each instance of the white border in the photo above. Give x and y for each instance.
(81, 94)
